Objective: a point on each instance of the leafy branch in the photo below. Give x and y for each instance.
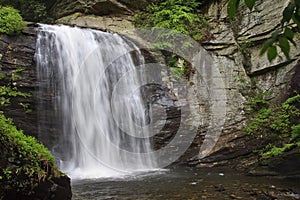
(283, 37)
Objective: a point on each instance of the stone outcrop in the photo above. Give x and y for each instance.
(113, 24)
(105, 15)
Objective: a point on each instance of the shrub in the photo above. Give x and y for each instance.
(31, 10)
(278, 125)
(24, 162)
(276, 151)
(11, 21)
(295, 133)
(180, 16)
(169, 21)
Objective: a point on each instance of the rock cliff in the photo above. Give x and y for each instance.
(235, 47)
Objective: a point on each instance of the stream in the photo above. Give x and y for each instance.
(187, 183)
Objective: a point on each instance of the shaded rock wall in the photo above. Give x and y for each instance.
(16, 52)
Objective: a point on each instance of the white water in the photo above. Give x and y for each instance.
(96, 99)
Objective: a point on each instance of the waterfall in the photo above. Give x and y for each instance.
(89, 82)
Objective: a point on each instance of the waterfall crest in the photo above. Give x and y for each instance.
(92, 80)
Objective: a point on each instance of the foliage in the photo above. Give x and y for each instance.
(295, 133)
(177, 67)
(24, 161)
(31, 10)
(9, 90)
(177, 15)
(283, 36)
(261, 118)
(170, 22)
(259, 102)
(11, 21)
(272, 151)
(280, 125)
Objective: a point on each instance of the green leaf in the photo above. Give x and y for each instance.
(289, 33)
(288, 13)
(296, 21)
(272, 53)
(266, 46)
(250, 3)
(275, 35)
(285, 46)
(232, 7)
(297, 3)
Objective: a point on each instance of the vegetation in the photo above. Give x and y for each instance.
(279, 125)
(283, 36)
(24, 161)
(31, 10)
(179, 16)
(9, 89)
(11, 21)
(168, 20)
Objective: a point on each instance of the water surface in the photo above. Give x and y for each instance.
(187, 183)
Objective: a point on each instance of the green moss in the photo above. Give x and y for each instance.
(24, 161)
(276, 151)
(295, 133)
(259, 102)
(278, 125)
(11, 21)
(8, 91)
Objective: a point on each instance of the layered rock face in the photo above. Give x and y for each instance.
(236, 47)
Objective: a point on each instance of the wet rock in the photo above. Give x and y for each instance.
(18, 52)
(55, 189)
(262, 172)
(288, 164)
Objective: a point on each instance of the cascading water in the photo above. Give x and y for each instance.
(94, 85)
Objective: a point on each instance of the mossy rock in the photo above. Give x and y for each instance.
(28, 170)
